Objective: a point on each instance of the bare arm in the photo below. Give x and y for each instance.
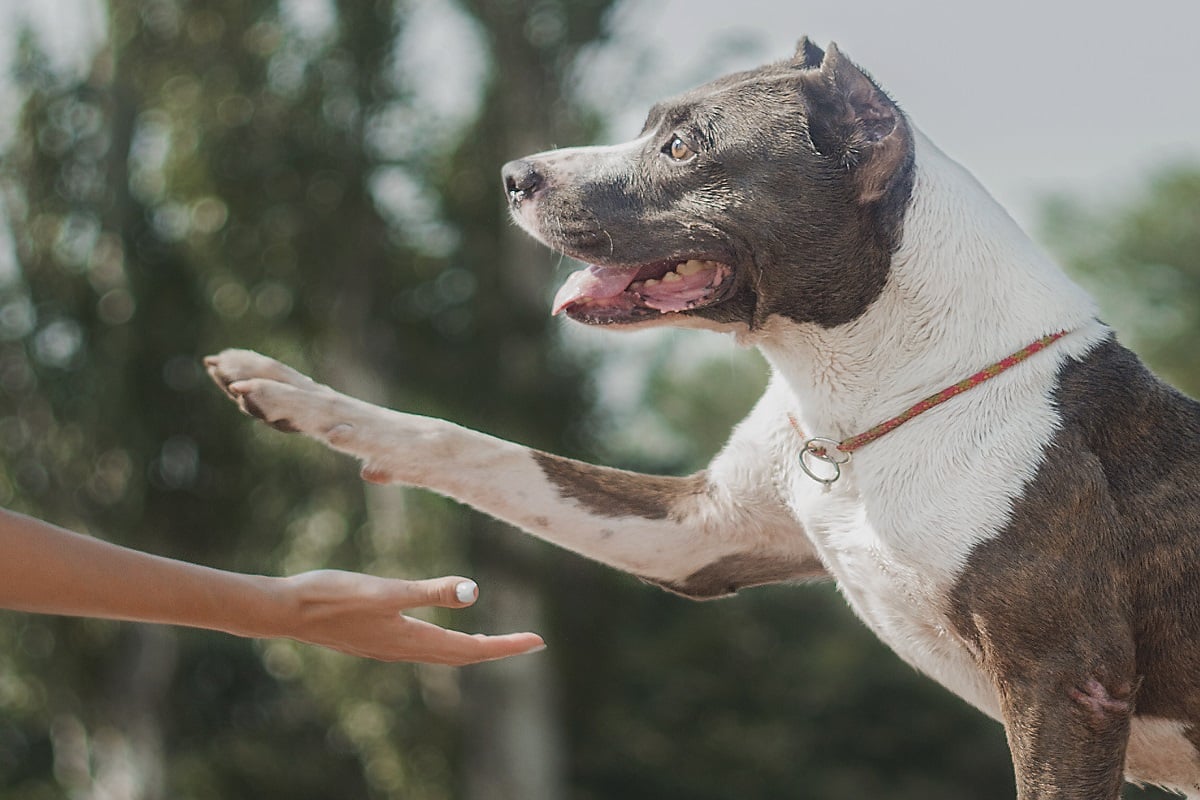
(49, 570)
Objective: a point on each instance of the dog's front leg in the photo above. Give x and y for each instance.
(1068, 731)
(700, 536)
(1064, 670)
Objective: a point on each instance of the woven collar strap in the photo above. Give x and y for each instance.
(820, 447)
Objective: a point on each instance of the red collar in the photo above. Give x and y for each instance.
(837, 453)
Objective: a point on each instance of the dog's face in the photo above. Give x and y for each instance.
(778, 191)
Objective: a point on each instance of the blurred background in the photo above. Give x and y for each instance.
(319, 180)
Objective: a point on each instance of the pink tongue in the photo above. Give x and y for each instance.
(681, 294)
(593, 283)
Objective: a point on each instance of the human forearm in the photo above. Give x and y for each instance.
(49, 570)
(46, 569)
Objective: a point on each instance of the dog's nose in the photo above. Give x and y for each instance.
(521, 179)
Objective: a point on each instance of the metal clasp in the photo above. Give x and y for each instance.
(825, 450)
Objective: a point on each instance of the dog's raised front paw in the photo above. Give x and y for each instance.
(274, 393)
(229, 366)
(288, 408)
(292, 402)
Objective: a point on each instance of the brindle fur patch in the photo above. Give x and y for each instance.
(727, 576)
(1094, 577)
(613, 492)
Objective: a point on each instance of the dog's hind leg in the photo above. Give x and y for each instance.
(703, 536)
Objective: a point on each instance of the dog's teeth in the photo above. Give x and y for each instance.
(691, 267)
(650, 282)
(636, 286)
(671, 277)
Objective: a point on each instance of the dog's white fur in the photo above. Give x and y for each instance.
(944, 482)
(897, 529)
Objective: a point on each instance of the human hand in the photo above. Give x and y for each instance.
(361, 615)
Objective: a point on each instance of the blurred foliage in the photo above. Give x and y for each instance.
(1142, 261)
(228, 175)
(159, 209)
(251, 173)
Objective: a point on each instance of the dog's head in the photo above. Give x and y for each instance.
(778, 191)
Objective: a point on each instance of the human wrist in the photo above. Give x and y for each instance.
(270, 609)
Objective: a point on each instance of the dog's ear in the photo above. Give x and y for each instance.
(852, 121)
(808, 55)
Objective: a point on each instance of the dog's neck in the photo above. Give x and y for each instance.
(967, 287)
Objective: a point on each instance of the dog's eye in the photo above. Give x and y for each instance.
(678, 149)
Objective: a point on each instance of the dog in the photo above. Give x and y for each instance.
(1005, 495)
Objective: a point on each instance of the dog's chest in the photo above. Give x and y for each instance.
(897, 530)
(900, 598)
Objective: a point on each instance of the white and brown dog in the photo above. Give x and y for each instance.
(1032, 542)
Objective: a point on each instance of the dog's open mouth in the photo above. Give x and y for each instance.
(609, 295)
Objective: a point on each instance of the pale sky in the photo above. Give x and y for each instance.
(1075, 96)
(1078, 96)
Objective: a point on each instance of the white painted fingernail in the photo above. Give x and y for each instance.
(539, 648)
(465, 591)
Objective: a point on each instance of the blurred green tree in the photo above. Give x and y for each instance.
(140, 251)
(229, 174)
(1142, 261)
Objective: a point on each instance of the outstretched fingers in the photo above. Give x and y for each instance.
(443, 646)
(364, 615)
(426, 642)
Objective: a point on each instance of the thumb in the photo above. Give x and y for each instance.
(448, 592)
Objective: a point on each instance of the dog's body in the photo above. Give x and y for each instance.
(1030, 543)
